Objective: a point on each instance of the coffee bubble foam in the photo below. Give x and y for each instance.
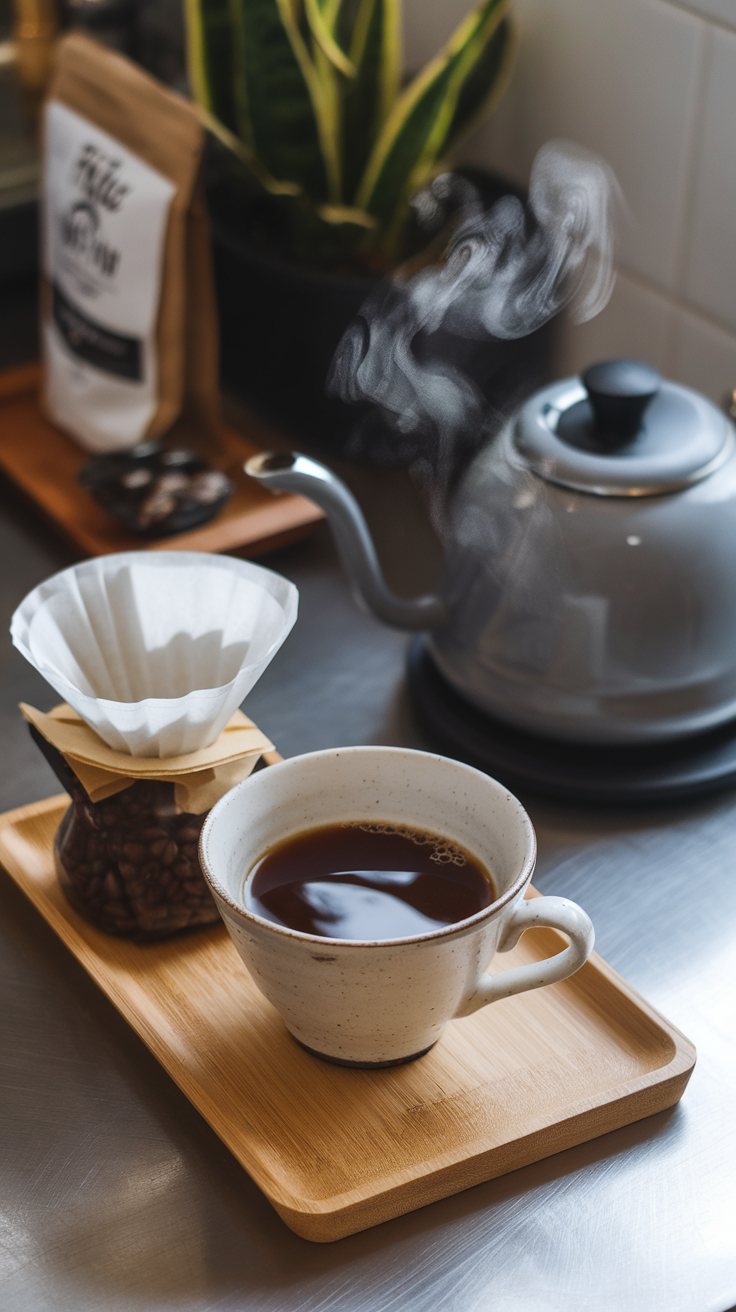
(444, 851)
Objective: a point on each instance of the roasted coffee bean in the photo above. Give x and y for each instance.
(112, 888)
(190, 834)
(130, 863)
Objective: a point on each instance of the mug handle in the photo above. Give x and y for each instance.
(541, 913)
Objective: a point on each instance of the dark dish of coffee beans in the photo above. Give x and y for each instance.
(130, 863)
(368, 880)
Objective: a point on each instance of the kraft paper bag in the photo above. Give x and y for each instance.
(129, 325)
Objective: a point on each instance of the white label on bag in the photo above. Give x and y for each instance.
(105, 214)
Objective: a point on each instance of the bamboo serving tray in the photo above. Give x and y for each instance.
(338, 1150)
(44, 463)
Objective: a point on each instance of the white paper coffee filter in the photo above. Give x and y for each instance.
(155, 650)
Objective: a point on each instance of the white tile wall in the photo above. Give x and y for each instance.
(724, 11)
(619, 76)
(710, 267)
(636, 322)
(427, 25)
(651, 86)
(703, 356)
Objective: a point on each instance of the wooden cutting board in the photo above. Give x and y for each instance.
(44, 463)
(338, 1150)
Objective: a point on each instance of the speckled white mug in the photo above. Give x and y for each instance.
(363, 1003)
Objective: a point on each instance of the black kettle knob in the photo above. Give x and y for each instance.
(619, 392)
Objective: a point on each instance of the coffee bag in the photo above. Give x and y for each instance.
(129, 322)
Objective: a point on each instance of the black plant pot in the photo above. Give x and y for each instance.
(280, 323)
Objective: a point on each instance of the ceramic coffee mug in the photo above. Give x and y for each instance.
(363, 1003)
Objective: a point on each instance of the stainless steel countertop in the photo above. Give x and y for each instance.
(115, 1194)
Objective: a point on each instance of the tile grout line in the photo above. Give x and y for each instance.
(711, 19)
(682, 304)
(687, 202)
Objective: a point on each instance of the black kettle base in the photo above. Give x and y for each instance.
(687, 767)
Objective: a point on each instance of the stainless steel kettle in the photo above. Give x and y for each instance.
(588, 589)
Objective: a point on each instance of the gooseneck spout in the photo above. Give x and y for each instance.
(296, 473)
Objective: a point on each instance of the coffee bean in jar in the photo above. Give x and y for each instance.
(129, 864)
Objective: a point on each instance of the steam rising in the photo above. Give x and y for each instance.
(506, 272)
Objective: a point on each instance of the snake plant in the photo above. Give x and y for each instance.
(309, 95)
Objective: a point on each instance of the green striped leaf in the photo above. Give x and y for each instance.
(375, 50)
(321, 16)
(306, 93)
(261, 84)
(209, 48)
(485, 85)
(319, 80)
(418, 129)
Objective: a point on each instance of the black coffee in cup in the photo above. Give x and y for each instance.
(368, 880)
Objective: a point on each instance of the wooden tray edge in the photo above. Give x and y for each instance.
(324, 1221)
(326, 1227)
(655, 1091)
(22, 378)
(288, 519)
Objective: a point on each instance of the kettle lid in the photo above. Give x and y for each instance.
(622, 430)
